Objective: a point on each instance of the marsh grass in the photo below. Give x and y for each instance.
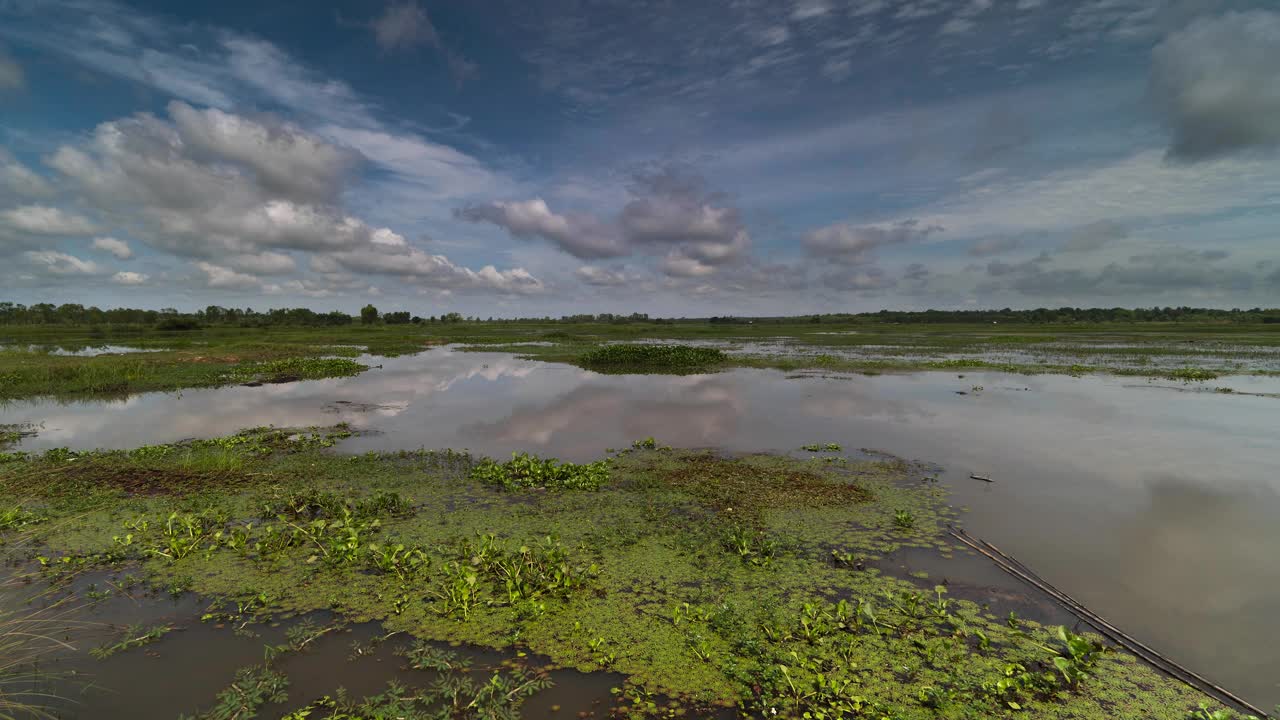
(652, 356)
(29, 636)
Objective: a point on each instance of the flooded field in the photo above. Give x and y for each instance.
(1152, 502)
(1130, 356)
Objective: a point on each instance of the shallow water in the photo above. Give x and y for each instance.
(1154, 503)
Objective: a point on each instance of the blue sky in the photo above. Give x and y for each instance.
(677, 158)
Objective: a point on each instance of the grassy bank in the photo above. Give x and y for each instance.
(748, 582)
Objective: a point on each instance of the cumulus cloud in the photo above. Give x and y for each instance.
(582, 236)
(119, 248)
(44, 220)
(994, 246)
(223, 278)
(1217, 83)
(285, 160)
(220, 189)
(1093, 236)
(855, 245)
(19, 179)
(130, 278)
(58, 263)
(670, 213)
(11, 75)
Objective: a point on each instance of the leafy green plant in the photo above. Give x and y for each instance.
(252, 688)
(904, 520)
(753, 546)
(525, 471)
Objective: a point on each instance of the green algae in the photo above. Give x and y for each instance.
(718, 581)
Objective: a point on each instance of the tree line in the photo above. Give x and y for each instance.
(215, 315)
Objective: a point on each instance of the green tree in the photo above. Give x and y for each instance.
(368, 314)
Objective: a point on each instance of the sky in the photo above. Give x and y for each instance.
(547, 157)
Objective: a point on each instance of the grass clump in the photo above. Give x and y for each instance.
(530, 472)
(652, 356)
(297, 368)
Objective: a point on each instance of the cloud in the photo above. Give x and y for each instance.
(1217, 82)
(670, 213)
(222, 278)
(601, 277)
(916, 272)
(405, 25)
(130, 278)
(57, 263)
(19, 179)
(581, 236)
(855, 245)
(119, 248)
(213, 186)
(994, 246)
(44, 220)
(1138, 187)
(1168, 270)
(11, 75)
(286, 161)
(1093, 236)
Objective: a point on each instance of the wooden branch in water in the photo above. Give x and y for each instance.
(1015, 568)
(983, 478)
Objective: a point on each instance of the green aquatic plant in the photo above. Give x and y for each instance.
(903, 519)
(133, 636)
(652, 356)
(252, 688)
(525, 471)
(822, 447)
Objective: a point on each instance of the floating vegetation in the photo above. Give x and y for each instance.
(524, 472)
(626, 355)
(821, 447)
(296, 368)
(710, 581)
(133, 636)
(1192, 374)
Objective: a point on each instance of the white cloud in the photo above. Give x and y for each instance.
(130, 278)
(287, 161)
(581, 236)
(57, 263)
(119, 248)
(602, 277)
(670, 213)
(1218, 84)
(44, 220)
(19, 179)
(222, 278)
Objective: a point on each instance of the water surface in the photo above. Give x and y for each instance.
(1154, 503)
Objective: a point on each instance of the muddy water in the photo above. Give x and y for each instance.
(1153, 503)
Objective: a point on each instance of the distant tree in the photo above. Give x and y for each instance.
(368, 314)
(397, 318)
